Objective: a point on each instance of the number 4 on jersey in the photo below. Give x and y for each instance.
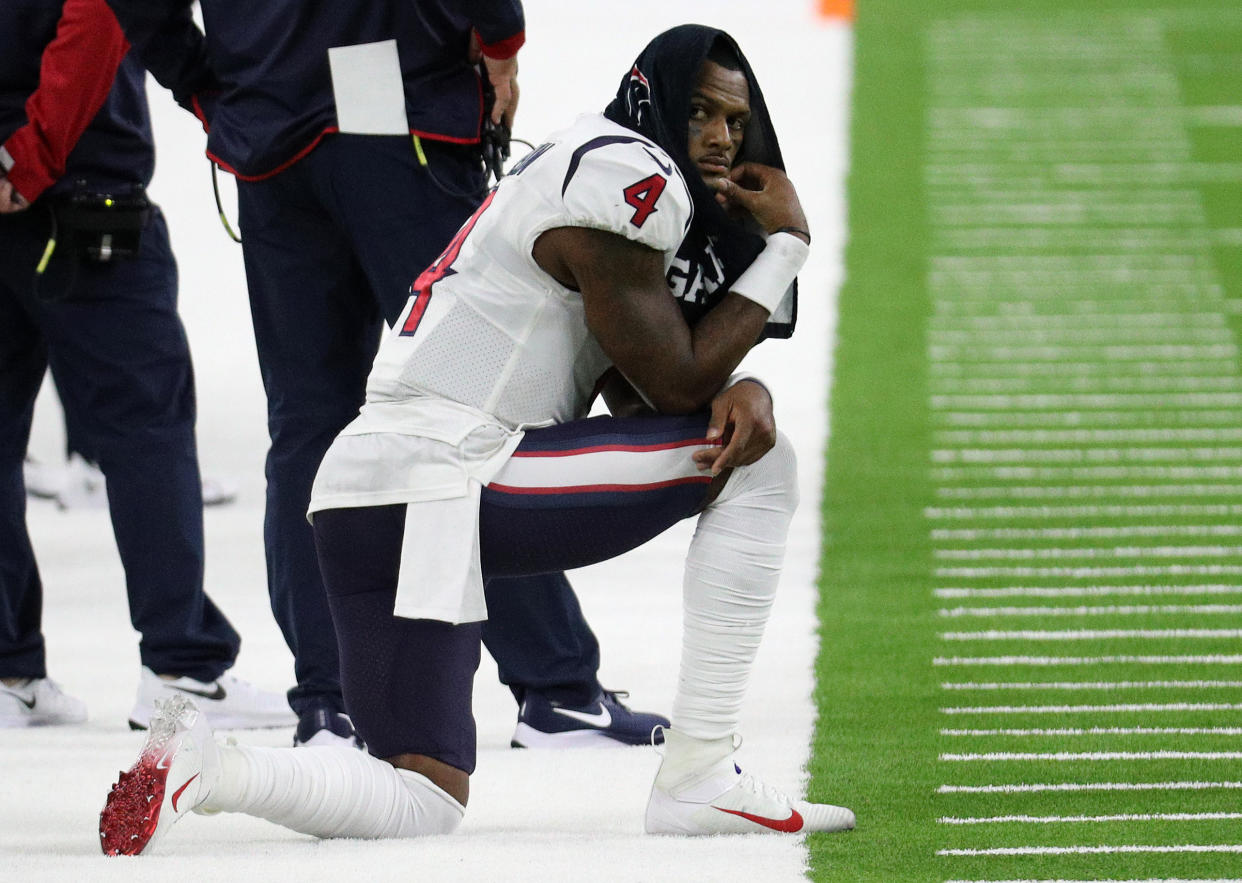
(642, 197)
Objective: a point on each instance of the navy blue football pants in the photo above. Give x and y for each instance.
(332, 245)
(122, 364)
(408, 682)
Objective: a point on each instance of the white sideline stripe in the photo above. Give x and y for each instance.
(1099, 731)
(1090, 709)
(1091, 685)
(1089, 786)
(1122, 817)
(1092, 850)
(1105, 610)
(1092, 755)
(1218, 659)
(1098, 552)
(1087, 634)
(1088, 572)
(1082, 591)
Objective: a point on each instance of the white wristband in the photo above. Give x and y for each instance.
(770, 274)
(742, 375)
(6, 159)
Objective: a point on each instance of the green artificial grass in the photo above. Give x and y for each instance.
(965, 434)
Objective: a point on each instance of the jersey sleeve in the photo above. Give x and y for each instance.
(625, 186)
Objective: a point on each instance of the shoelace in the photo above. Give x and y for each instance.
(762, 790)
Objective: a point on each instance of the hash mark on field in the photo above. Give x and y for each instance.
(1124, 708)
(1126, 817)
(1101, 731)
(1093, 685)
(1082, 591)
(1092, 850)
(1088, 634)
(1070, 756)
(1217, 659)
(1089, 786)
(1106, 610)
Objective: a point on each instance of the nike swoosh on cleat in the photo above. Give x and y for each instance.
(217, 694)
(177, 793)
(601, 718)
(791, 825)
(29, 703)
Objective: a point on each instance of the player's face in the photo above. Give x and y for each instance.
(719, 112)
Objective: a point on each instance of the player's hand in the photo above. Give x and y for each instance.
(10, 200)
(766, 193)
(742, 419)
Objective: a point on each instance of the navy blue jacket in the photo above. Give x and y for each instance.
(259, 77)
(70, 107)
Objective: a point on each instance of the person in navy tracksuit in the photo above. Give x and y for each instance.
(100, 306)
(339, 213)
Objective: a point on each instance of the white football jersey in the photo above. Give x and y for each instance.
(485, 326)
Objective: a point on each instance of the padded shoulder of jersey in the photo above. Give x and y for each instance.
(620, 182)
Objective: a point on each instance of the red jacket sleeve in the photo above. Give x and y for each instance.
(75, 75)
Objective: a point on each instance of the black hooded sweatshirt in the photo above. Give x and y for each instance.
(654, 100)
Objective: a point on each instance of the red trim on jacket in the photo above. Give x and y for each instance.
(506, 48)
(329, 130)
(76, 73)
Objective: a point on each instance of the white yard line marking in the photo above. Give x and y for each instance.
(1129, 531)
(1083, 591)
(1093, 850)
(1071, 756)
(1088, 634)
(1101, 552)
(1099, 731)
(1103, 610)
(1162, 510)
(1123, 817)
(993, 686)
(1219, 659)
(1124, 708)
(1089, 786)
(1091, 573)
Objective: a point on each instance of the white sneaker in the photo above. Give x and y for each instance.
(228, 702)
(699, 790)
(79, 484)
(218, 491)
(178, 766)
(38, 702)
(82, 485)
(42, 480)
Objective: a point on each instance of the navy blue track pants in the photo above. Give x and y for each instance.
(122, 365)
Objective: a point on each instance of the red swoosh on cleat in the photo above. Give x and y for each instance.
(177, 794)
(791, 825)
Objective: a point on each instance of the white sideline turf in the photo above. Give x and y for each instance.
(532, 816)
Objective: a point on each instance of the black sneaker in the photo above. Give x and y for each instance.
(320, 725)
(604, 722)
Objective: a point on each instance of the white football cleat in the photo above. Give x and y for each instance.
(228, 702)
(699, 790)
(178, 766)
(38, 702)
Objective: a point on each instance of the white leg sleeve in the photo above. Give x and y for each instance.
(732, 569)
(330, 792)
